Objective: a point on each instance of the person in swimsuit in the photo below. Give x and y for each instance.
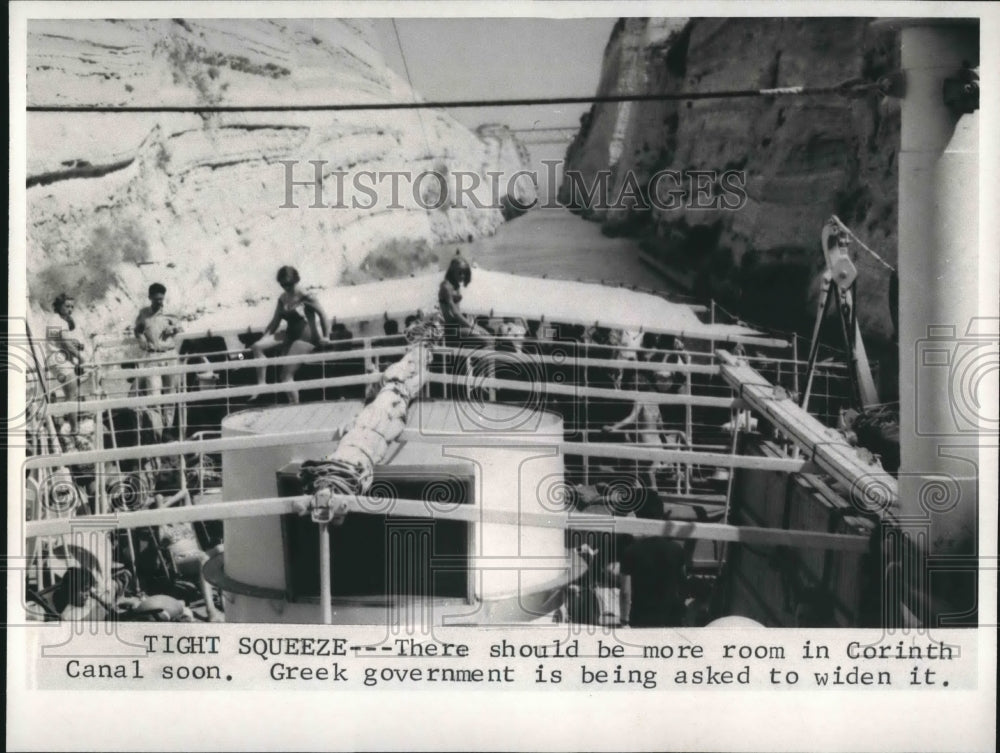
(459, 275)
(460, 330)
(305, 328)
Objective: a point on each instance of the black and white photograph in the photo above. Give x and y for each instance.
(471, 348)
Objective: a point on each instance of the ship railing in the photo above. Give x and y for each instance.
(108, 500)
(410, 508)
(712, 394)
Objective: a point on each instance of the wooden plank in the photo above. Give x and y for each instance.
(610, 363)
(413, 508)
(172, 449)
(585, 449)
(198, 396)
(322, 356)
(868, 485)
(149, 401)
(615, 450)
(574, 390)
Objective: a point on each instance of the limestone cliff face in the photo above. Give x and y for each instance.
(206, 203)
(804, 158)
(517, 192)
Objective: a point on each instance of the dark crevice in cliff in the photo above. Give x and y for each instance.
(80, 170)
(676, 59)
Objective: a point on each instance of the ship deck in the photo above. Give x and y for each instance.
(574, 358)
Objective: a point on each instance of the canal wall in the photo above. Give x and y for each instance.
(201, 201)
(801, 158)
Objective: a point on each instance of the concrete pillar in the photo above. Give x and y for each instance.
(938, 302)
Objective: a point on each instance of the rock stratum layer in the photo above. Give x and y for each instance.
(201, 202)
(804, 158)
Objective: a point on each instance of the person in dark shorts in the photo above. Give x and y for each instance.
(653, 577)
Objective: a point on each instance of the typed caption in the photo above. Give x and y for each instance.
(455, 658)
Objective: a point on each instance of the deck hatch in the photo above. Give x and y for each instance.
(380, 555)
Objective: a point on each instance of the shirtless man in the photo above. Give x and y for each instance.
(156, 331)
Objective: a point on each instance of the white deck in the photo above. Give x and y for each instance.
(501, 294)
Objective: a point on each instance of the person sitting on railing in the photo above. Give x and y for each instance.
(157, 331)
(458, 326)
(305, 329)
(460, 331)
(68, 349)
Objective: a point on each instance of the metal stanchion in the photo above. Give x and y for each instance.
(325, 586)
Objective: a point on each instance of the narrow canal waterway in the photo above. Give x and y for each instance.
(560, 244)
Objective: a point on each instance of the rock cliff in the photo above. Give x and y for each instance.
(804, 158)
(204, 203)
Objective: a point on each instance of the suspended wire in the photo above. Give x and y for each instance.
(861, 243)
(409, 80)
(851, 88)
(420, 118)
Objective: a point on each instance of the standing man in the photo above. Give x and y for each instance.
(156, 331)
(68, 352)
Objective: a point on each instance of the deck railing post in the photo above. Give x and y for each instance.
(325, 584)
(586, 427)
(182, 427)
(688, 429)
(711, 320)
(99, 498)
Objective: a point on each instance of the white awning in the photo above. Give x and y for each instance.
(506, 295)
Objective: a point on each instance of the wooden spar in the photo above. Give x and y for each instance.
(584, 449)
(626, 452)
(569, 360)
(399, 350)
(152, 401)
(416, 508)
(168, 449)
(869, 487)
(324, 356)
(573, 390)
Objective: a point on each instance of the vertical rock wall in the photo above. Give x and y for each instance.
(804, 158)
